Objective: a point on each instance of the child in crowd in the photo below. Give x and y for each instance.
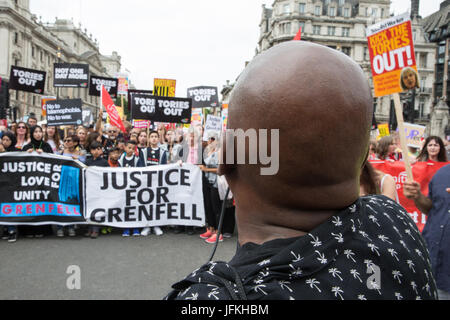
(154, 156)
(96, 160)
(121, 145)
(114, 156)
(130, 160)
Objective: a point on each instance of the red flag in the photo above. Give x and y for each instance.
(298, 37)
(113, 114)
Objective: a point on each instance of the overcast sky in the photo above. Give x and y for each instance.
(196, 42)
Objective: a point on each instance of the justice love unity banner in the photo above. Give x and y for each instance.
(40, 189)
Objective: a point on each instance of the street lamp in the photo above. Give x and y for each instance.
(58, 54)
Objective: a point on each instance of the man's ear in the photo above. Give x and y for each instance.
(226, 167)
(366, 159)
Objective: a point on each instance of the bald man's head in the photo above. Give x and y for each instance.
(320, 101)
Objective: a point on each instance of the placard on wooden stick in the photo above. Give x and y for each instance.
(394, 69)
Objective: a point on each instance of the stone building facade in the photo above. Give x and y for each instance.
(30, 43)
(341, 25)
(437, 27)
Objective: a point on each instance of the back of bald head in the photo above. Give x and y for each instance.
(321, 102)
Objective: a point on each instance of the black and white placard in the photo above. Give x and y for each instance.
(204, 97)
(28, 80)
(65, 112)
(161, 109)
(71, 75)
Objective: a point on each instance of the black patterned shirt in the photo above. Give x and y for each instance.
(371, 250)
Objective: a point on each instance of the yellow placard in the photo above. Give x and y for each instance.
(164, 87)
(383, 129)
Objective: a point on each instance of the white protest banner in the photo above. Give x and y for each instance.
(213, 124)
(145, 197)
(414, 135)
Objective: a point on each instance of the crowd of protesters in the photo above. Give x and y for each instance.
(107, 146)
(434, 149)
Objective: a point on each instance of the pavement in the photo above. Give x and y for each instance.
(107, 268)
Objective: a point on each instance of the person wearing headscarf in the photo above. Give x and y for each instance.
(37, 141)
(9, 141)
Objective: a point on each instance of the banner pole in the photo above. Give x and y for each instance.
(121, 102)
(401, 129)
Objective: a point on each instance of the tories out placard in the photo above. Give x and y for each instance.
(161, 109)
(392, 56)
(145, 197)
(64, 112)
(96, 83)
(27, 80)
(71, 75)
(204, 97)
(40, 189)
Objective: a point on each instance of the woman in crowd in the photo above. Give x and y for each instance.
(171, 146)
(211, 193)
(8, 144)
(373, 150)
(37, 142)
(376, 182)
(53, 139)
(71, 144)
(142, 140)
(386, 149)
(82, 133)
(22, 134)
(162, 133)
(433, 150)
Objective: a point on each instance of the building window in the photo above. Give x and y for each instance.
(346, 12)
(316, 29)
(32, 51)
(347, 50)
(16, 38)
(382, 12)
(341, 2)
(367, 12)
(346, 32)
(374, 12)
(423, 60)
(285, 28)
(301, 24)
(301, 8)
(286, 8)
(332, 11)
(366, 54)
(317, 10)
(331, 31)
